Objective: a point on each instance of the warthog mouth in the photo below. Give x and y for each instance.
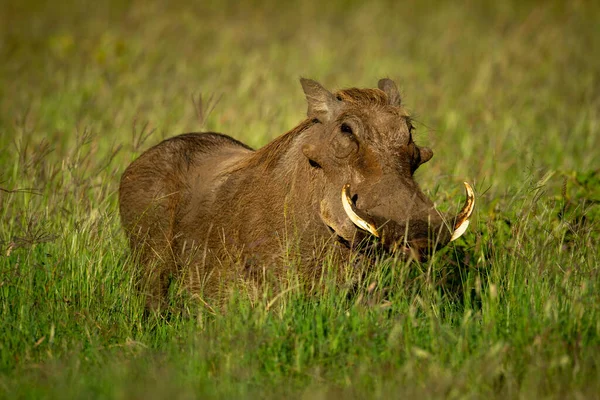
(365, 223)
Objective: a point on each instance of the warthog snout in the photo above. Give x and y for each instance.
(416, 237)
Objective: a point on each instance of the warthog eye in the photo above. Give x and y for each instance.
(314, 164)
(345, 128)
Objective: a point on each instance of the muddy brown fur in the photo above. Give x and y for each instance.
(209, 210)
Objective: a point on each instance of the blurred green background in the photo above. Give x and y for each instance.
(507, 93)
(498, 87)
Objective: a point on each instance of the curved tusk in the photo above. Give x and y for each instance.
(352, 212)
(462, 219)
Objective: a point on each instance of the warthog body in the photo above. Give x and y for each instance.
(197, 204)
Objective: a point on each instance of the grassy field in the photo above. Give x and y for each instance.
(506, 93)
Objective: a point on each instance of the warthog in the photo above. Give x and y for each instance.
(196, 204)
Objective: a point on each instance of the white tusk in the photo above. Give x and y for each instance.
(462, 219)
(350, 211)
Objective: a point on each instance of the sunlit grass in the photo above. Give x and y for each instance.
(506, 94)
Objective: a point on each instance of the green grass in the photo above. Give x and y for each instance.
(507, 94)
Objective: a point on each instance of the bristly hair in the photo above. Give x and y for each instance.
(363, 97)
(268, 155)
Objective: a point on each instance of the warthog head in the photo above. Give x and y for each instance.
(362, 153)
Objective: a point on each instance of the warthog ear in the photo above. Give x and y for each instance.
(321, 103)
(389, 87)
